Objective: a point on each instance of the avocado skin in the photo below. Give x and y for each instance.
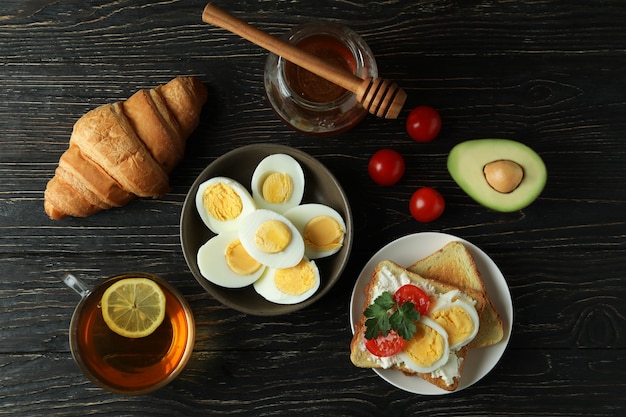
(467, 159)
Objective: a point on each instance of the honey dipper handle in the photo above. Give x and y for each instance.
(214, 15)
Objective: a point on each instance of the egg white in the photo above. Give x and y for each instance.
(212, 263)
(215, 225)
(266, 287)
(302, 214)
(454, 299)
(408, 362)
(282, 163)
(288, 257)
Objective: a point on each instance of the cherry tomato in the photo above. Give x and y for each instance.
(386, 345)
(423, 124)
(386, 167)
(426, 204)
(414, 294)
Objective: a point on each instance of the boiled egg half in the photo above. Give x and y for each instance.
(428, 349)
(223, 261)
(289, 285)
(271, 239)
(278, 183)
(222, 202)
(321, 226)
(458, 316)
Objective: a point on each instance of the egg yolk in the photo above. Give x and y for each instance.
(323, 233)
(272, 236)
(426, 346)
(222, 201)
(239, 260)
(456, 322)
(295, 280)
(277, 188)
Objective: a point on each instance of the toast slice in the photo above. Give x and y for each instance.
(455, 265)
(381, 281)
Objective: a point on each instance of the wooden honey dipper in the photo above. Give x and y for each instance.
(380, 97)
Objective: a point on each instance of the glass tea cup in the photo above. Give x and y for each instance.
(130, 365)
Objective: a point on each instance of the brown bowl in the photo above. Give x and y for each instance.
(320, 187)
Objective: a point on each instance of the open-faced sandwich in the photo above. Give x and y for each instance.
(424, 326)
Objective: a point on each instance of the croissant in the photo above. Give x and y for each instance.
(125, 150)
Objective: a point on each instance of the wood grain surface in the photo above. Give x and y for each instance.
(551, 74)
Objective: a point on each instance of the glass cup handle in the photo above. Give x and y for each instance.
(76, 284)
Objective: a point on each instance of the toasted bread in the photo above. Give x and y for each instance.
(455, 265)
(361, 357)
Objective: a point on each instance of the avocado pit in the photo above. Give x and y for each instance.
(503, 175)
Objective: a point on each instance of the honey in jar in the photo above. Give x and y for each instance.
(307, 102)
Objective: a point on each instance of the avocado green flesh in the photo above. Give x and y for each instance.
(467, 159)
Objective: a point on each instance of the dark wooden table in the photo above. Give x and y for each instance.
(551, 74)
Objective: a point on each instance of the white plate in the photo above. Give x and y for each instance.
(406, 251)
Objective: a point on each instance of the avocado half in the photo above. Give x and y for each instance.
(467, 161)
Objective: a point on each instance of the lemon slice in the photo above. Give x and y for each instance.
(133, 307)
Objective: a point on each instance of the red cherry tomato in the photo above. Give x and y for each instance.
(426, 204)
(414, 294)
(386, 345)
(386, 167)
(423, 124)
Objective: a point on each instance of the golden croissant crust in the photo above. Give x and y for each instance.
(122, 150)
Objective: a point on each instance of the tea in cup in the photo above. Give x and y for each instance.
(132, 334)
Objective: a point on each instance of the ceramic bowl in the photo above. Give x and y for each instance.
(320, 187)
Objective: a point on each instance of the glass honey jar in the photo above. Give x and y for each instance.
(307, 102)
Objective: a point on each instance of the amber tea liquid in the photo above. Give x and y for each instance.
(126, 365)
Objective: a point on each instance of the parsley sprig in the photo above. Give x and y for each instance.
(385, 314)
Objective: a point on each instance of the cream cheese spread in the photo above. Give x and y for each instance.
(390, 282)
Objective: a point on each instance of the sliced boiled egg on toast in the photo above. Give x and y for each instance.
(428, 349)
(458, 316)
